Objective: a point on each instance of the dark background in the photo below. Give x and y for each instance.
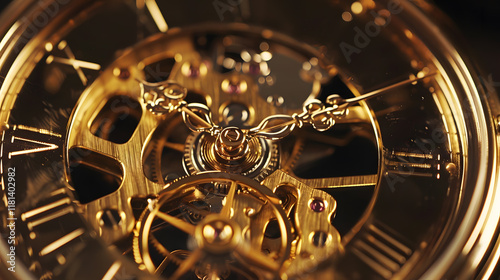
(478, 22)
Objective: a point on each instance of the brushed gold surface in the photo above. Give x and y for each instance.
(307, 222)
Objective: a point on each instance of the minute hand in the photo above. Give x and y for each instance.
(315, 113)
(333, 99)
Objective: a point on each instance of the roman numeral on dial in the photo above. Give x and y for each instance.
(413, 164)
(60, 242)
(54, 228)
(25, 140)
(156, 14)
(71, 60)
(381, 250)
(37, 146)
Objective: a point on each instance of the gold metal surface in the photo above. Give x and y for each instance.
(211, 158)
(308, 222)
(236, 230)
(128, 155)
(436, 218)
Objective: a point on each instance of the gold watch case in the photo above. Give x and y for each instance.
(238, 139)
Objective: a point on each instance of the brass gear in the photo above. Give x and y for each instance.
(164, 140)
(199, 157)
(168, 214)
(290, 152)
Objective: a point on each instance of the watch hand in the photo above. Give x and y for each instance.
(168, 96)
(334, 99)
(315, 113)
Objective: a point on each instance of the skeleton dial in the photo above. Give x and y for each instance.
(238, 140)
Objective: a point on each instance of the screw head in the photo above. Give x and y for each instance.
(232, 137)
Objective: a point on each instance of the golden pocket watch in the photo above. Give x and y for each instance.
(237, 139)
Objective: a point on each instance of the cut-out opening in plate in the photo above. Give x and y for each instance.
(93, 175)
(117, 120)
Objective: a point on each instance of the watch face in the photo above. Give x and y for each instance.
(242, 140)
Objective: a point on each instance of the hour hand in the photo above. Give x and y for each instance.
(168, 96)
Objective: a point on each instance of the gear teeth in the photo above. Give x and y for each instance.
(178, 179)
(298, 148)
(188, 164)
(155, 173)
(273, 163)
(158, 243)
(158, 143)
(266, 170)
